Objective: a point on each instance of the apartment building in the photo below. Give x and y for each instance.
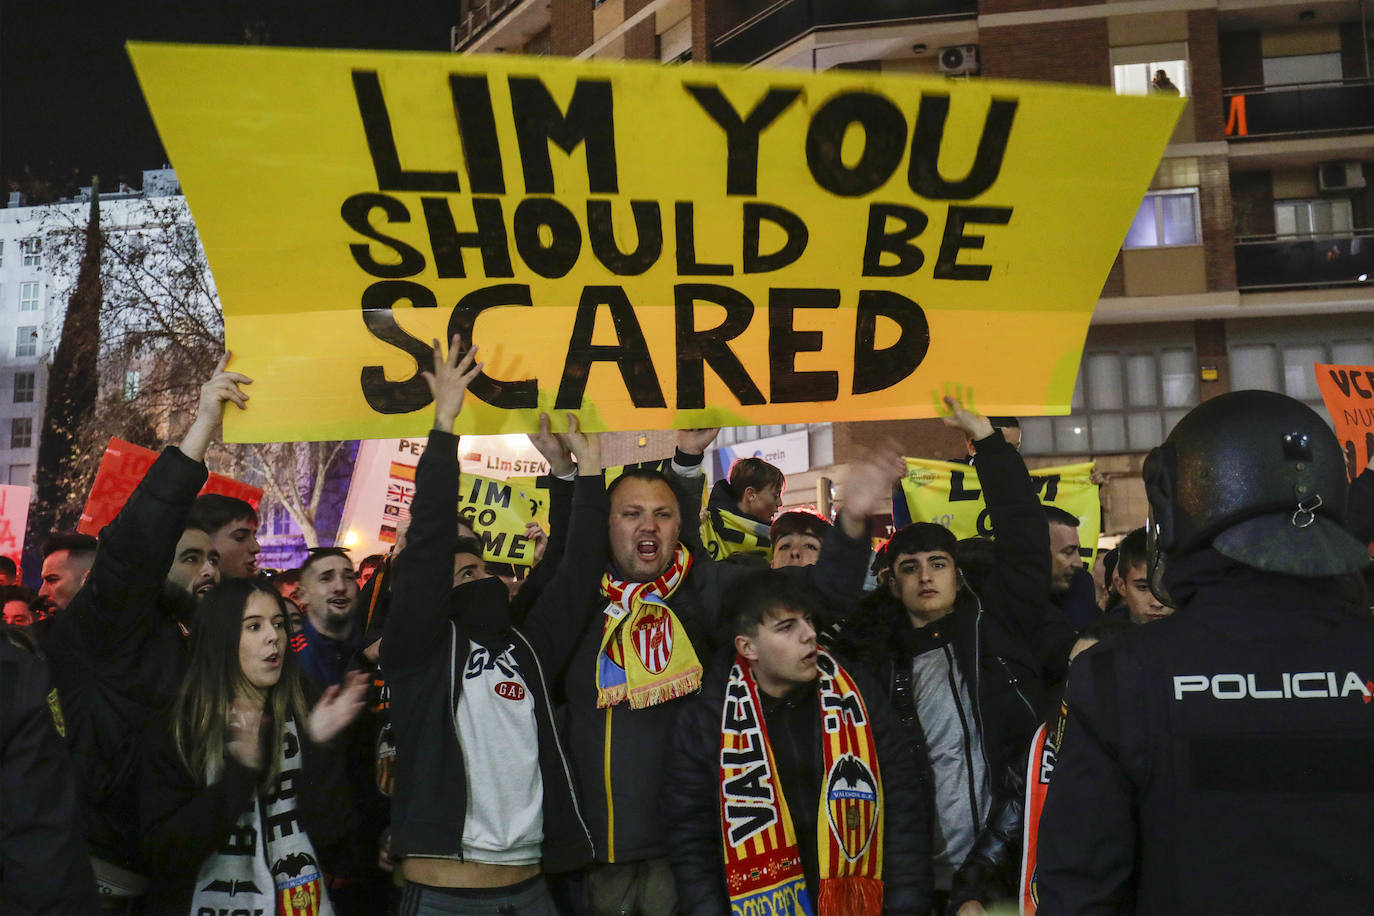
(1251, 257)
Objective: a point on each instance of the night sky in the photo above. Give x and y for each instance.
(70, 106)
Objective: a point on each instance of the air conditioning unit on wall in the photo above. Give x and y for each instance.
(1340, 176)
(959, 60)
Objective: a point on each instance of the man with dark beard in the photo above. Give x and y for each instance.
(118, 650)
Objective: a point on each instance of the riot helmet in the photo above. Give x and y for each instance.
(1260, 478)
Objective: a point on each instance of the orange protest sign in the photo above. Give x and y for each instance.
(122, 467)
(1349, 395)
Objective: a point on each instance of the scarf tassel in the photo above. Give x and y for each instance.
(640, 697)
(852, 896)
(610, 696)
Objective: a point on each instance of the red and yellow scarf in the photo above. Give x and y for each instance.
(763, 867)
(645, 654)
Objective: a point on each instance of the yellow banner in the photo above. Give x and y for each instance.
(653, 246)
(499, 510)
(948, 494)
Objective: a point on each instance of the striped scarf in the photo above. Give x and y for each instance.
(645, 654)
(763, 868)
(724, 533)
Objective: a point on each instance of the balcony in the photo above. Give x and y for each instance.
(499, 25)
(785, 22)
(1316, 261)
(1305, 108)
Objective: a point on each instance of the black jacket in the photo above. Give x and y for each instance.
(429, 801)
(1078, 602)
(621, 796)
(43, 863)
(691, 796)
(184, 822)
(117, 655)
(1206, 767)
(1011, 644)
(1359, 507)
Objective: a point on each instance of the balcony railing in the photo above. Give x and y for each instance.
(477, 20)
(1275, 111)
(1326, 260)
(785, 22)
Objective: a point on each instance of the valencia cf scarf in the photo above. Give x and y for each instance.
(267, 864)
(763, 868)
(724, 533)
(645, 654)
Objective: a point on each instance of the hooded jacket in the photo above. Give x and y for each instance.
(429, 628)
(1217, 761)
(1009, 643)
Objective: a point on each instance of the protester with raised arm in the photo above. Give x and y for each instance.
(118, 650)
(483, 800)
(968, 671)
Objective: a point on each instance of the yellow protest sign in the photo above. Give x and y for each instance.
(653, 246)
(499, 510)
(948, 494)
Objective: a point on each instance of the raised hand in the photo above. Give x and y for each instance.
(244, 720)
(586, 446)
(868, 488)
(695, 441)
(972, 424)
(337, 707)
(449, 381)
(553, 447)
(221, 388)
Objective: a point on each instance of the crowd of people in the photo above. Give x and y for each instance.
(707, 711)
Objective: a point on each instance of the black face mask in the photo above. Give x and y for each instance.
(481, 608)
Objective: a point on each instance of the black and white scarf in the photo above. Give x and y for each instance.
(267, 864)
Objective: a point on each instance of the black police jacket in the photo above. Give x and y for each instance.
(43, 862)
(1218, 761)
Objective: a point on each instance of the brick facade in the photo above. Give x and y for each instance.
(1218, 222)
(641, 42)
(1060, 52)
(1205, 69)
(570, 26)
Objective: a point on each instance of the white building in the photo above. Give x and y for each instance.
(38, 266)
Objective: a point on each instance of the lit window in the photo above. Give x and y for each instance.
(1144, 69)
(24, 384)
(21, 432)
(28, 296)
(26, 341)
(131, 382)
(1165, 218)
(32, 250)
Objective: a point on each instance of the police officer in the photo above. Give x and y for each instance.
(1219, 760)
